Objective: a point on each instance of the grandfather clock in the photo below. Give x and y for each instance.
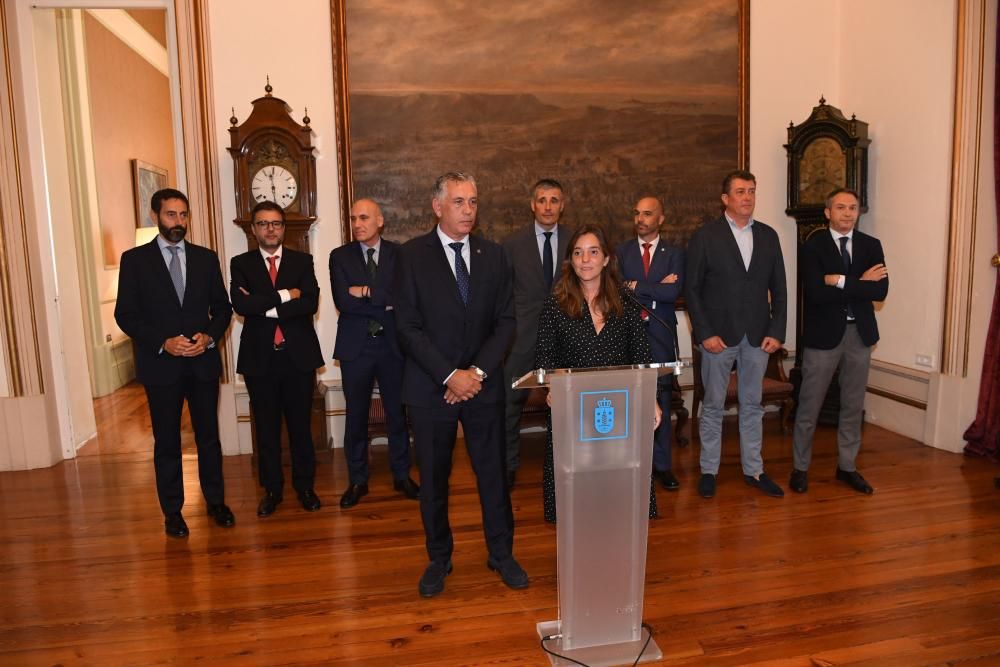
(825, 152)
(273, 160)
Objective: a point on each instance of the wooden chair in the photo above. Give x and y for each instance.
(777, 390)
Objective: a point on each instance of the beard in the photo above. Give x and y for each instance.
(172, 234)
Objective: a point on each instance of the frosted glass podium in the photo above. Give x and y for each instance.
(602, 433)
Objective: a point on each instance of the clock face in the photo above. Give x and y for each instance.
(274, 183)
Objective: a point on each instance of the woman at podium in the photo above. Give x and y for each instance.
(588, 321)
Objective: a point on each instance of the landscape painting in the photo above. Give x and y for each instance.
(614, 100)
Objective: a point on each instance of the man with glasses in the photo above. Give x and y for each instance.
(275, 290)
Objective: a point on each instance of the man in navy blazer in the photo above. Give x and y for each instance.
(361, 276)
(535, 254)
(736, 298)
(654, 271)
(274, 288)
(842, 272)
(172, 304)
(455, 313)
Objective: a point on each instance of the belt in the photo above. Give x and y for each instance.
(280, 347)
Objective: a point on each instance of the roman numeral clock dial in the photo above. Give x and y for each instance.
(274, 183)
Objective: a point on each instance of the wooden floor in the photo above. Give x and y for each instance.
(909, 576)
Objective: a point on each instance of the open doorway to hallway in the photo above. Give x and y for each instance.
(108, 125)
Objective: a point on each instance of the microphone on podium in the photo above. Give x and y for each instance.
(671, 327)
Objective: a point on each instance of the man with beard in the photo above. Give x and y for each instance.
(172, 303)
(654, 271)
(275, 290)
(535, 254)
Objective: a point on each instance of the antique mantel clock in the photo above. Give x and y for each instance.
(825, 152)
(274, 161)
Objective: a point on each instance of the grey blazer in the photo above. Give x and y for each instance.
(530, 290)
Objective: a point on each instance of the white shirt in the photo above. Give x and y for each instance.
(540, 239)
(283, 293)
(744, 239)
(652, 246)
(850, 249)
(450, 252)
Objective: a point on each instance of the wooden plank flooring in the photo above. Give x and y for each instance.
(909, 576)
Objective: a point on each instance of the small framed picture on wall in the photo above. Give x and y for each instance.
(146, 179)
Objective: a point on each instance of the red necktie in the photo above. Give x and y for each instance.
(279, 337)
(645, 269)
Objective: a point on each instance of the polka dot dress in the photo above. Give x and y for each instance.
(568, 342)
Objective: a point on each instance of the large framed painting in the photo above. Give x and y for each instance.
(613, 100)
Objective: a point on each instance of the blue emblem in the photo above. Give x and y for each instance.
(604, 416)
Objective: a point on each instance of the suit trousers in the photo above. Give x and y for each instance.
(434, 432)
(854, 358)
(664, 394)
(166, 403)
(376, 362)
(751, 363)
(515, 400)
(284, 392)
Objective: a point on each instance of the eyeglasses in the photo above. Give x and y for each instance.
(264, 224)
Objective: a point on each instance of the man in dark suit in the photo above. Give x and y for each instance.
(361, 275)
(842, 271)
(654, 271)
(736, 298)
(275, 290)
(534, 254)
(455, 314)
(172, 304)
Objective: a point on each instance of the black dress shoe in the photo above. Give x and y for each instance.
(268, 504)
(765, 484)
(706, 486)
(408, 488)
(222, 515)
(511, 479)
(512, 574)
(174, 525)
(799, 481)
(354, 493)
(854, 480)
(666, 479)
(310, 501)
(432, 581)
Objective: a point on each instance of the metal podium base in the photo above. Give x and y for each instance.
(607, 655)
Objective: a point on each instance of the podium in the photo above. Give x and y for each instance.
(602, 433)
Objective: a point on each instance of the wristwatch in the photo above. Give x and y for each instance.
(479, 372)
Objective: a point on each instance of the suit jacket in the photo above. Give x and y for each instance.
(295, 270)
(149, 312)
(824, 313)
(437, 332)
(657, 297)
(348, 267)
(727, 300)
(530, 290)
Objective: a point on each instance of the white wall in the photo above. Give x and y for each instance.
(248, 44)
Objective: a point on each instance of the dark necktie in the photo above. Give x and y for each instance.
(846, 258)
(272, 270)
(646, 259)
(461, 271)
(547, 263)
(175, 273)
(374, 327)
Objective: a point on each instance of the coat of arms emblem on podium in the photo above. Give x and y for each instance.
(604, 416)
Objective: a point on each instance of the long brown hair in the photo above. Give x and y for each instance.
(567, 291)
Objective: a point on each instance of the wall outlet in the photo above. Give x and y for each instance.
(925, 360)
